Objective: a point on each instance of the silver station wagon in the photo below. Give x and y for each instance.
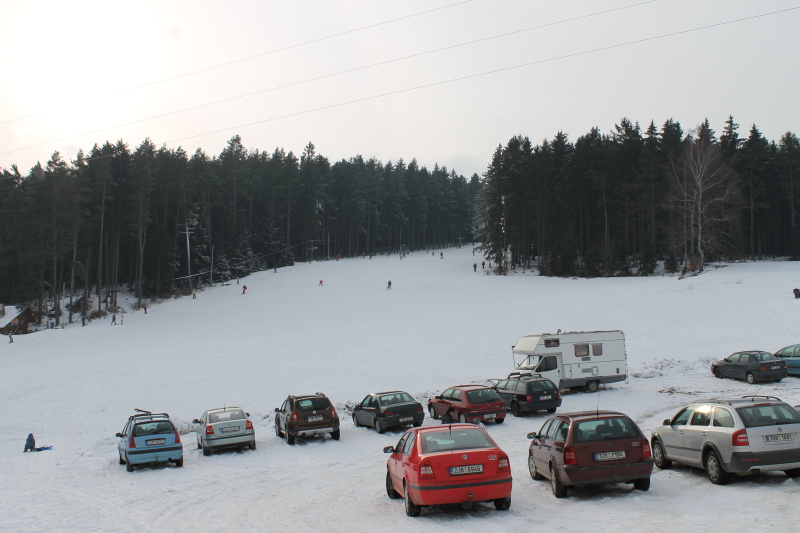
(728, 436)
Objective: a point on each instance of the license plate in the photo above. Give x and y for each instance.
(469, 469)
(407, 419)
(229, 428)
(153, 442)
(783, 437)
(775, 367)
(314, 418)
(489, 415)
(545, 397)
(609, 456)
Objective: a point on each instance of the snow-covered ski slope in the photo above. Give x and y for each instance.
(441, 324)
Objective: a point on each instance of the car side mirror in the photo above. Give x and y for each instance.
(119, 435)
(533, 435)
(277, 410)
(196, 421)
(667, 422)
(437, 397)
(388, 449)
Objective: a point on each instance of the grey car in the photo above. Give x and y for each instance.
(384, 410)
(751, 366)
(225, 427)
(728, 436)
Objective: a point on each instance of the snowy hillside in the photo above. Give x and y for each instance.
(441, 324)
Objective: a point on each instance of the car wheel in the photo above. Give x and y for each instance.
(716, 474)
(559, 490)
(253, 445)
(462, 418)
(289, 437)
(750, 378)
(355, 421)
(390, 488)
(432, 412)
(379, 426)
(335, 435)
(277, 430)
(551, 411)
(515, 409)
(128, 466)
(199, 445)
(121, 460)
(417, 424)
(532, 469)
(206, 451)
(502, 504)
(659, 456)
(179, 462)
(412, 509)
(591, 386)
(499, 420)
(794, 472)
(717, 373)
(642, 484)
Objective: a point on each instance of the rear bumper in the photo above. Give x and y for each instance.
(499, 414)
(771, 375)
(392, 421)
(540, 406)
(229, 441)
(742, 463)
(595, 475)
(462, 492)
(313, 432)
(149, 456)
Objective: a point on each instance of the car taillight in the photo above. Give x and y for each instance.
(426, 471)
(294, 416)
(248, 425)
(177, 437)
(558, 395)
(503, 465)
(333, 412)
(646, 449)
(389, 413)
(131, 442)
(739, 438)
(209, 430)
(569, 456)
(762, 368)
(529, 398)
(419, 408)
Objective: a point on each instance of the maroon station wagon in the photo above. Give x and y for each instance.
(590, 448)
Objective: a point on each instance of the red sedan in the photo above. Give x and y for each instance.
(458, 463)
(468, 403)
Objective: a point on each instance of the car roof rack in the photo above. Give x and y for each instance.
(141, 413)
(760, 397)
(524, 374)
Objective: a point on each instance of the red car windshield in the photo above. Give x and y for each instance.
(457, 439)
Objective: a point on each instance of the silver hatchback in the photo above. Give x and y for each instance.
(728, 436)
(225, 427)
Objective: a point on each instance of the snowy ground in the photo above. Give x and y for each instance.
(441, 324)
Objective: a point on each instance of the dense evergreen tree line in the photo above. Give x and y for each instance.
(156, 220)
(616, 204)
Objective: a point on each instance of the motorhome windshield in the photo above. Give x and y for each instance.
(529, 363)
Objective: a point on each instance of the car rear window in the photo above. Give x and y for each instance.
(545, 384)
(461, 439)
(768, 415)
(482, 396)
(224, 416)
(312, 404)
(152, 428)
(398, 397)
(604, 428)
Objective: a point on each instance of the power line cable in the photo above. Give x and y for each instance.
(262, 54)
(339, 73)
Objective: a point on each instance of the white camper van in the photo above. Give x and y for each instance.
(574, 359)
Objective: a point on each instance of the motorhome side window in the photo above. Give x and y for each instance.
(551, 343)
(548, 363)
(597, 349)
(581, 350)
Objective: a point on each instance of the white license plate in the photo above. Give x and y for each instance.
(407, 419)
(545, 397)
(609, 456)
(489, 415)
(314, 418)
(783, 437)
(775, 367)
(229, 428)
(469, 469)
(154, 442)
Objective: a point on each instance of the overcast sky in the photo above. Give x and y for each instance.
(337, 73)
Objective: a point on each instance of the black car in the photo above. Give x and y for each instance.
(383, 410)
(751, 366)
(528, 393)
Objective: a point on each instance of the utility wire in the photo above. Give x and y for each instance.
(339, 73)
(275, 51)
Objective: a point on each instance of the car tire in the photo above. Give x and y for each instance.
(535, 474)
(390, 492)
(335, 435)
(121, 460)
(591, 386)
(714, 470)
(379, 426)
(660, 456)
(289, 437)
(515, 409)
(355, 421)
(502, 504)
(278, 430)
(642, 484)
(750, 378)
(432, 412)
(499, 420)
(179, 462)
(551, 411)
(417, 424)
(412, 509)
(462, 418)
(253, 445)
(559, 490)
(128, 465)
(794, 472)
(199, 445)
(206, 451)
(717, 373)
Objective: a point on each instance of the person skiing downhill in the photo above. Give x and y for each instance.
(389, 286)
(244, 289)
(321, 283)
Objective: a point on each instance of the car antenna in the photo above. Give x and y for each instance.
(597, 409)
